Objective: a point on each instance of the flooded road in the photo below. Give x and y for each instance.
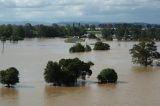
(137, 85)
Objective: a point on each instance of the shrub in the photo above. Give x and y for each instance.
(79, 48)
(107, 76)
(101, 46)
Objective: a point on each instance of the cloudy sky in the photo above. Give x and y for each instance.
(80, 10)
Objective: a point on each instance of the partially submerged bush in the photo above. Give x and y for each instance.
(101, 46)
(107, 76)
(79, 48)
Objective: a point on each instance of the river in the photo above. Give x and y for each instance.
(137, 85)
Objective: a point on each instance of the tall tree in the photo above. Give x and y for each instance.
(144, 53)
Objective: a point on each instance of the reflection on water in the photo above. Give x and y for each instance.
(8, 96)
(8, 92)
(137, 85)
(3, 47)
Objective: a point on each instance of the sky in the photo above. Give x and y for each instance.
(80, 10)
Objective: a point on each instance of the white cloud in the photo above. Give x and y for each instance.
(24, 3)
(75, 9)
(38, 3)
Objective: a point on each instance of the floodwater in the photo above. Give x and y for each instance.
(137, 85)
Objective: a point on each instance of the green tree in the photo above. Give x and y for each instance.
(101, 46)
(144, 53)
(67, 71)
(3, 40)
(18, 31)
(120, 32)
(77, 48)
(52, 72)
(107, 76)
(29, 31)
(6, 30)
(9, 76)
(107, 34)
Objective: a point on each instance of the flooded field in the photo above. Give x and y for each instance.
(137, 85)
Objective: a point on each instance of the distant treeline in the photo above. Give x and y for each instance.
(109, 31)
(130, 31)
(29, 31)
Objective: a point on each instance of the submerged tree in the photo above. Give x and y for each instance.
(79, 48)
(9, 76)
(3, 40)
(144, 53)
(107, 76)
(67, 71)
(101, 46)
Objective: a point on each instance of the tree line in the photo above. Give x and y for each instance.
(131, 33)
(108, 31)
(29, 31)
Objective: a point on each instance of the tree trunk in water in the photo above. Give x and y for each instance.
(8, 85)
(3, 47)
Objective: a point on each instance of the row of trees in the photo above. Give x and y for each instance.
(119, 31)
(131, 33)
(29, 31)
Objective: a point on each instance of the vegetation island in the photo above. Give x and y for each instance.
(79, 48)
(101, 46)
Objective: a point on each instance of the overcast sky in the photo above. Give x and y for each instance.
(80, 10)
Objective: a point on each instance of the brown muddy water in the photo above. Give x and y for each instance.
(137, 85)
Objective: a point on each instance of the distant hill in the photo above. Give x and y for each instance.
(71, 23)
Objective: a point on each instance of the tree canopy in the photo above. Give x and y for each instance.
(107, 76)
(79, 48)
(9, 76)
(144, 53)
(67, 71)
(101, 46)
(108, 34)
